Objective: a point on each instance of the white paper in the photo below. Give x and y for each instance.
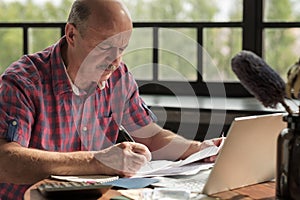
(189, 169)
(181, 167)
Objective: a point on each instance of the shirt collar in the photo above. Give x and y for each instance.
(101, 85)
(60, 78)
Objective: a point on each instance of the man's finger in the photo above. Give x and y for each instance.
(141, 149)
(210, 159)
(218, 141)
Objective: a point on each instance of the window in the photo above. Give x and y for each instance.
(192, 45)
(281, 34)
(11, 45)
(182, 47)
(222, 44)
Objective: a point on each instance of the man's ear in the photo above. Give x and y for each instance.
(70, 32)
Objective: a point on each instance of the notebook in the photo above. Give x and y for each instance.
(87, 178)
(248, 156)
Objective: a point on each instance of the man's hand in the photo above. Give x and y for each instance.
(212, 142)
(124, 159)
(195, 146)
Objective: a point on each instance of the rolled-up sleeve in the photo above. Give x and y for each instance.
(16, 110)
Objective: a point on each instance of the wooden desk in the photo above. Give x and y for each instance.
(263, 191)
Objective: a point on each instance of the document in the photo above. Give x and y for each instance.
(188, 166)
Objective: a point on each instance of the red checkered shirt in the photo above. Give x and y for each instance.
(38, 109)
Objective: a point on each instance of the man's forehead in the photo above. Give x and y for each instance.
(113, 39)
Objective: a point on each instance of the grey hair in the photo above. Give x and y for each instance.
(79, 15)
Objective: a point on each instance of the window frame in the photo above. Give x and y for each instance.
(252, 26)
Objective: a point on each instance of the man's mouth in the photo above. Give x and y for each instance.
(110, 67)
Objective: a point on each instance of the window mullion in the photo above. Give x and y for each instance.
(155, 53)
(252, 25)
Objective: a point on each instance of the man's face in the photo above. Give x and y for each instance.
(101, 54)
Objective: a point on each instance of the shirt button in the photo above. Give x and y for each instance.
(14, 123)
(84, 128)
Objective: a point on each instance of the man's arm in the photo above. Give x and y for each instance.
(22, 165)
(165, 144)
(25, 166)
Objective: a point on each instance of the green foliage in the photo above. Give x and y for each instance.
(139, 53)
(178, 58)
(280, 44)
(178, 47)
(42, 37)
(221, 44)
(172, 10)
(11, 46)
(178, 51)
(11, 43)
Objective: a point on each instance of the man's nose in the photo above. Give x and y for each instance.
(115, 57)
(117, 61)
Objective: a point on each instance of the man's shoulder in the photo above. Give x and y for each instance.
(31, 68)
(40, 61)
(28, 66)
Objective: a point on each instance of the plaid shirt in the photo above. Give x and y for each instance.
(38, 109)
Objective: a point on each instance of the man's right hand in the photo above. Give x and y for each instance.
(124, 159)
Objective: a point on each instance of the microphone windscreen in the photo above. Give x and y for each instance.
(259, 78)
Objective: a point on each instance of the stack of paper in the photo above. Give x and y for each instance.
(188, 166)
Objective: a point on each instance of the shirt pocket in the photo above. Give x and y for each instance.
(109, 127)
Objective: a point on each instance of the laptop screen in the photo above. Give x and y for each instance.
(248, 155)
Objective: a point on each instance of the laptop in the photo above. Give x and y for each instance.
(248, 156)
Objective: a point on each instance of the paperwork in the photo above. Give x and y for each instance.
(188, 166)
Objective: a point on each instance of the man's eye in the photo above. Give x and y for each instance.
(101, 67)
(122, 48)
(104, 47)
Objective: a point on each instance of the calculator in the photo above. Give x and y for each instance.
(74, 190)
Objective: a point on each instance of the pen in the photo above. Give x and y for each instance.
(125, 134)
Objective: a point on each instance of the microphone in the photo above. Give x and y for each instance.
(259, 79)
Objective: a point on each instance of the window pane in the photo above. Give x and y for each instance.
(177, 54)
(34, 11)
(220, 45)
(11, 45)
(141, 10)
(283, 10)
(187, 10)
(281, 48)
(40, 38)
(138, 55)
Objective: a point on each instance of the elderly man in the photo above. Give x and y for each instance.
(61, 108)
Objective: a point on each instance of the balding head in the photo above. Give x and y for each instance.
(99, 15)
(97, 33)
